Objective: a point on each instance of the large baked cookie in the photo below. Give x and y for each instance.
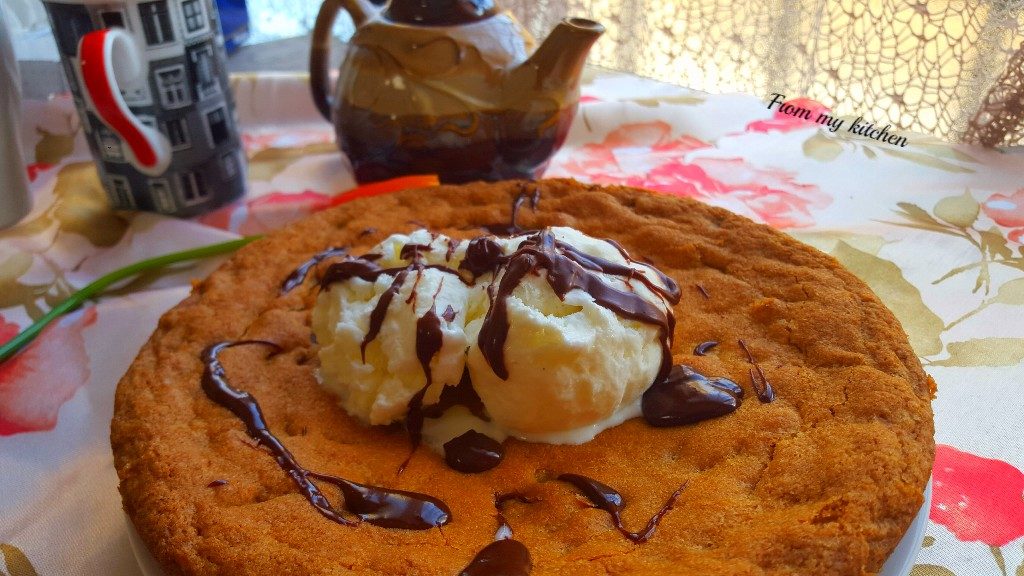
(822, 480)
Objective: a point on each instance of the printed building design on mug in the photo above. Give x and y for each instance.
(185, 96)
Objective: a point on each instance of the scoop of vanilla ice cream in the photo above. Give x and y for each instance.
(572, 364)
(378, 390)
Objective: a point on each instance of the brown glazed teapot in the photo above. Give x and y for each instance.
(448, 87)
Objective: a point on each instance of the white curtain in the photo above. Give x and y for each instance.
(924, 65)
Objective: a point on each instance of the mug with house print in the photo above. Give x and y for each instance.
(150, 85)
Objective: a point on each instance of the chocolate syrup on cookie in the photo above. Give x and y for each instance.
(703, 348)
(686, 396)
(379, 506)
(473, 452)
(608, 499)
(763, 388)
(512, 228)
(504, 556)
(500, 558)
(298, 276)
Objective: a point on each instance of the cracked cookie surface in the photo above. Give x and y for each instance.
(824, 480)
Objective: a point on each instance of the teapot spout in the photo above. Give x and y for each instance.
(558, 62)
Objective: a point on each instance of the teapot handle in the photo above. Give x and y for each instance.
(320, 47)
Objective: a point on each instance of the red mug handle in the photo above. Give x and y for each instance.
(103, 56)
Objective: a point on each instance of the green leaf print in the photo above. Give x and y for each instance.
(16, 562)
(959, 211)
(822, 148)
(931, 570)
(52, 148)
(886, 279)
(925, 160)
(268, 163)
(984, 352)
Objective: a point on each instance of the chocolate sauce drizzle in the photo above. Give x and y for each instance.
(473, 452)
(763, 388)
(512, 228)
(380, 310)
(703, 348)
(504, 528)
(568, 269)
(298, 276)
(686, 396)
(413, 251)
(500, 558)
(379, 506)
(428, 340)
(608, 499)
(703, 291)
(483, 255)
(505, 556)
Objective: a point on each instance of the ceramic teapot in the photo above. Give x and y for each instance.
(448, 87)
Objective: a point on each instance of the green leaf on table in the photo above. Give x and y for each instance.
(822, 148)
(928, 542)
(269, 162)
(930, 570)
(886, 279)
(926, 160)
(961, 210)
(984, 352)
(16, 562)
(52, 148)
(994, 243)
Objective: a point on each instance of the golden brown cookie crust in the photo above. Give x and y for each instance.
(824, 480)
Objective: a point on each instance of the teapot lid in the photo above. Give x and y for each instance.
(439, 12)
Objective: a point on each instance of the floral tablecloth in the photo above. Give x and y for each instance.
(936, 230)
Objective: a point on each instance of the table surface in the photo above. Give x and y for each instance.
(936, 230)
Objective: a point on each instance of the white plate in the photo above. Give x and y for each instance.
(899, 564)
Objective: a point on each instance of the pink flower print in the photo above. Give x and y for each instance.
(781, 122)
(646, 155)
(35, 383)
(1006, 210)
(8, 330)
(35, 169)
(977, 499)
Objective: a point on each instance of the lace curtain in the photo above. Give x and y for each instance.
(942, 67)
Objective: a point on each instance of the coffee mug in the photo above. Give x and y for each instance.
(151, 89)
